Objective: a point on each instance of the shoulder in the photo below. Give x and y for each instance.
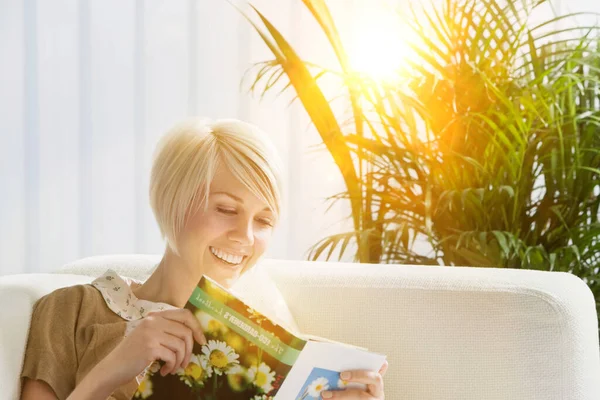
(51, 340)
(69, 307)
(68, 298)
(69, 328)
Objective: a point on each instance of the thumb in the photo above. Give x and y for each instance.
(384, 368)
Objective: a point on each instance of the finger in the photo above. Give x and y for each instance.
(166, 355)
(186, 317)
(384, 368)
(182, 332)
(372, 379)
(177, 347)
(348, 394)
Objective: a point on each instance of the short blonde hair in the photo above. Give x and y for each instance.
(185, 162)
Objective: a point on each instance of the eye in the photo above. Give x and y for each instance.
(226, 211)
(265, 222)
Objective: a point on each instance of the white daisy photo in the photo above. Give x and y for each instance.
(144, 390)
(317, 386)
(197, 369)
(220, 356)
(342, 384)
(262, 377)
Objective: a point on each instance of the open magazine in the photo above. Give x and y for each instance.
(250, 357)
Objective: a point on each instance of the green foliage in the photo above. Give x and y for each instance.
(486, 147)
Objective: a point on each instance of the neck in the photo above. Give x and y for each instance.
(172, 282)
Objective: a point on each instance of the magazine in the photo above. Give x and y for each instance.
(251, 357)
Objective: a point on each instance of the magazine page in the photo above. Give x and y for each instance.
(247, 356)
(318, 368)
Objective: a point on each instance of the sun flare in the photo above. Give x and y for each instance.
(379, 45)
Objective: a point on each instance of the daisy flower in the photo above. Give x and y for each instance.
(262, 377)
(342, 384)
(317, 386)
(144, 390)
(197, 369)
(237, 378)
(220, 356)
(236, 342)
(209, 324)
(154, 368)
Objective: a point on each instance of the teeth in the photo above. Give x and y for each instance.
(230, 258)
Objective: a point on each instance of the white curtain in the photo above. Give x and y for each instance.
(88, 86)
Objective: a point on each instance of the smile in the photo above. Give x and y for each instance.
(229, 258)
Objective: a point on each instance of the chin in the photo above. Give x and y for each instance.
(225, 275)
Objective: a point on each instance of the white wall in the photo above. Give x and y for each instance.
(86, 89)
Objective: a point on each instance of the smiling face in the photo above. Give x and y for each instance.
(215, 190)
(230, 234)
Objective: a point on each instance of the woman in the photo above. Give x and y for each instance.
(215, 192)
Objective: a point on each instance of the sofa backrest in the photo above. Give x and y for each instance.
(449, 332)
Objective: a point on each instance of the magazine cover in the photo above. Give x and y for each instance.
(247, 356)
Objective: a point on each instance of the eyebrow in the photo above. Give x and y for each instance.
(236, 198)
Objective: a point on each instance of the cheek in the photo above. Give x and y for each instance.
(261, 241)
(198, 233)
(206, 224)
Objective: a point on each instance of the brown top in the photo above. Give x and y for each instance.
(72, 329)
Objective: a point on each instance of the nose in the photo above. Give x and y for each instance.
(242, 232)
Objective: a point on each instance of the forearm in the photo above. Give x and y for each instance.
(97, 384)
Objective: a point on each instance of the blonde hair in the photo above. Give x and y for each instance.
(185, 162)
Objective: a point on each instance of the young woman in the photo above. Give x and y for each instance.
(215, 192)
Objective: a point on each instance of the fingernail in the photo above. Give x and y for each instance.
(345, 375)
(326, 395)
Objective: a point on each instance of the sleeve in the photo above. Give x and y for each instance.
(51, 353)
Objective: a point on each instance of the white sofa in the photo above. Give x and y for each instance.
(450, 333)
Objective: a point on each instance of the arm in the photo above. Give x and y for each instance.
(91, 387)
(96, 385)
(37, 390)
(166, 335)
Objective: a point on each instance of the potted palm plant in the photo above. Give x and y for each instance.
(486, 148)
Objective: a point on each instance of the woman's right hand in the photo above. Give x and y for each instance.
(165, 335)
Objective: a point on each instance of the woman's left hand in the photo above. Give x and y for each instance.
(373, 380)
